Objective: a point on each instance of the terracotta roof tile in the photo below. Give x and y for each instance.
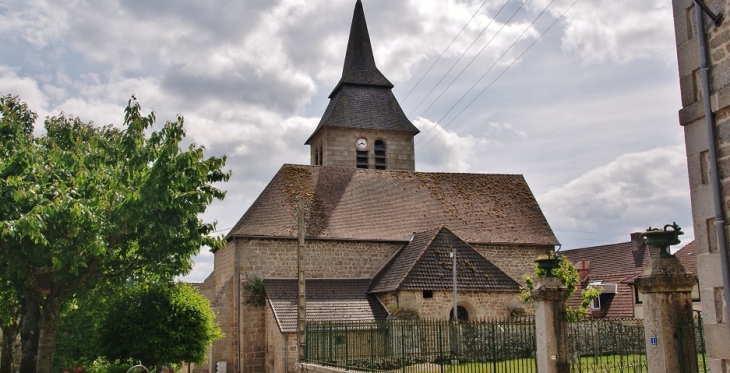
(620, 263)
(424, 264)
(349, 203)
(327, 300)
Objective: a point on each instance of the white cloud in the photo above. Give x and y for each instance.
(635, 191)
(618, 30)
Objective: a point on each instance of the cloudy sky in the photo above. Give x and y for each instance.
(583, 103)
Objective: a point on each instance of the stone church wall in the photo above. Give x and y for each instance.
(478, 305)
(277, 258)
(514, 260)
(338, 147)
(281, 352)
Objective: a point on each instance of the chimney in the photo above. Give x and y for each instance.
(637, 242)
(584, 269)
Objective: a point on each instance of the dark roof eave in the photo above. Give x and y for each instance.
(231, 236)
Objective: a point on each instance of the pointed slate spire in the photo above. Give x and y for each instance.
(359, 61)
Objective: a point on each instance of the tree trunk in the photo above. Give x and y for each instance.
(7, 354)
(29, 333)
(47, 340)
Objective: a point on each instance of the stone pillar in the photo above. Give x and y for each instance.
(667, 297)
(550, 325)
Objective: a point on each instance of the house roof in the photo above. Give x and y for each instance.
(620, 264)
(364, 204)
(363, 97)
(612, 259)
(327, 300)
(424, 264)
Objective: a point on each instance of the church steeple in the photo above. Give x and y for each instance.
(359, 65)
(363, 126)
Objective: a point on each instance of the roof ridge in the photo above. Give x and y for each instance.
(420, 254)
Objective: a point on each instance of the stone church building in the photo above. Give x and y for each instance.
(378, 233)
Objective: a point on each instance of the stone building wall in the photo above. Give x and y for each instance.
(277, 258)
(260, 341)
(691, 117)
(338, 147)
(281, 351)
(514, 260)
(478, 305)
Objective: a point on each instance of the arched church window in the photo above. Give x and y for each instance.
(362, 159)
(461, 314)
(380, 155)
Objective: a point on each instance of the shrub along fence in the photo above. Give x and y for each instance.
(607, 345)
(501, 345)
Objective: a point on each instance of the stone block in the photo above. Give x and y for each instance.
(681, 6)
(694, 169)
(688, 57)
(695, 136)
(702, 205)
(681, 26)
(711, 273)
(717, 340)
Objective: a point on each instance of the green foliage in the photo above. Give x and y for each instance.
(569, 277)
(255, 292)
(92, 205)
(159, 324)
(77, 338)
(402, 313)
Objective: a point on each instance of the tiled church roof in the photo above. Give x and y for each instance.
(327, 300)
(364, 204)
(424, 264)
(363, 97)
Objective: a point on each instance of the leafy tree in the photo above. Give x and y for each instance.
(83, 205)
(159, 324)
(569, 277)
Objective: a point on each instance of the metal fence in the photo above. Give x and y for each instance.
(691, 337)
(606, 345)
(503, 345)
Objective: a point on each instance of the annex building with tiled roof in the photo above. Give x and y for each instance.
(378, 234)
(614, 268)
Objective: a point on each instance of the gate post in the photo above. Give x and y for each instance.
(666, 289)
(550, 325)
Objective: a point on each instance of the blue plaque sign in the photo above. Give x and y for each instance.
(652, 340)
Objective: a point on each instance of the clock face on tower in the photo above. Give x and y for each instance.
(361, 143)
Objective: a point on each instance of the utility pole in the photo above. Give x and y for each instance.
(453, 255)
(301, 286)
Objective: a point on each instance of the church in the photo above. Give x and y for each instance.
(378, 234)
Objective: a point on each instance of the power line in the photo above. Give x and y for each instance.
(463, 54)
(502, 73)
(447, 48)
(464, 69)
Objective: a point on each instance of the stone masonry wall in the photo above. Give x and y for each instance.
(691, 117)
(338, 147)
(514, 260)
(478, 305)
(281, 352)
(276, 258)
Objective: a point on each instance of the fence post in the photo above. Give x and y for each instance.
(550, 325)
(667, 288)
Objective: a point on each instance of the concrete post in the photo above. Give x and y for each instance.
(550, 325)
(667, 297)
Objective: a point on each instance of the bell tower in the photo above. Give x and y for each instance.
(363, 125)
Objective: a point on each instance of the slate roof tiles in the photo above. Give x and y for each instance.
(424, 264)
(327, 300)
